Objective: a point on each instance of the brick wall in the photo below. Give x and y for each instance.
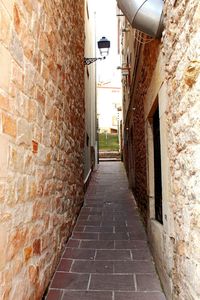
(41, 138)
(135, 120)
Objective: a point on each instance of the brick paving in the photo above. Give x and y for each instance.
(107, 257)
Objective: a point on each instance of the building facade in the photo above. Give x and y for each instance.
(90, 150)
(162, 141)
(41, 139)
(109, 107)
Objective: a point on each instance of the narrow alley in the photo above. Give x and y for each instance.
(81, 81)
(107, 257)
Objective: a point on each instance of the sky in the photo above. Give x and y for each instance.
(106, 25)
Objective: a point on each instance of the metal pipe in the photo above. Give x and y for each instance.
(144, 15)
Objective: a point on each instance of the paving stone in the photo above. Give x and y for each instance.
(131, 244)
(112, 282)
(97, 244)
(131, 229)
(85, 266)
(108, 220)
(113, 255)
(75, 253)
(64, 265)
(85, 236)
(72, 243)
(114, 236)
(94, 218)
(85, 210)
(70, 281)
(91, 205)
(142, 254)
(113, 223)
(86, 295)
(79, 228)
(139, 296)
(96, 210)
(88, 223)
(121, 229)
(147, 282)
(83, 217)
(134, 267)
(137, 236)
(99, 229)
(54, 295)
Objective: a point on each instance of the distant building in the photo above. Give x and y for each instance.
(109, 107)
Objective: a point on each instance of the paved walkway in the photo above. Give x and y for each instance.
(107, 257)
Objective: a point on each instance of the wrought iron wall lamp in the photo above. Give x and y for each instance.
(104, 46)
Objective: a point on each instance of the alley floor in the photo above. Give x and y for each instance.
(107, 257)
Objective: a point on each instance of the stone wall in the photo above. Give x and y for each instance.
(41, 138)
(170, 73)
(181, 49)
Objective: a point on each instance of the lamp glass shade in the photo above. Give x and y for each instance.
(104, 46)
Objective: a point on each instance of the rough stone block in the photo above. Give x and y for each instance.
(16, 49)
(24, 132)
(5, 24)
(9, 126)
(4, 142)
(5, 66)
(4, 102)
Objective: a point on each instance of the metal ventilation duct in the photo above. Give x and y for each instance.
(145, 16)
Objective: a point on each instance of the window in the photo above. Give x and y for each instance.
(157, 167)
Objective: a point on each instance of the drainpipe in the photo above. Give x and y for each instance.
(144, 15)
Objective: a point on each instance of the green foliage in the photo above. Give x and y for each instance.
(108, 142)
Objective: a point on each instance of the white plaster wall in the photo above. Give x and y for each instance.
(90, 86)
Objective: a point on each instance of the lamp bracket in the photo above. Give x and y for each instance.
(88, 61)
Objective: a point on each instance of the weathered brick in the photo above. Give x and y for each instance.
(28, 5)
(16, 241)
(40, 97)
(16, 49)
(8, 4)
(34, 147)
(5, 218)
(17, 76)
(4, 103)
(15, 160)
(5, 66)
(17, 17)
(21, 189)
(24, 132)
(4, 142)
(9, 125)
(192, 72)
(32, 189)
(3, 241)
(5, 23)
(27, 253)
(37, 247)
(33, 273)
